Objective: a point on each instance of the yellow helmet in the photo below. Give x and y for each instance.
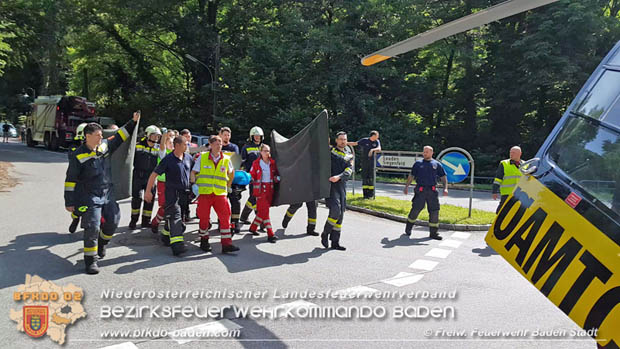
(79, 132)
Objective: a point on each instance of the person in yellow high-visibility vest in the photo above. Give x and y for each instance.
(507, 176)
(213, 174)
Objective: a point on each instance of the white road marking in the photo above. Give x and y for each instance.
(356, 291)
(438, 253)
(206, 330)
(403, 279)
(423, 265)
(451, 243)
(460, 235)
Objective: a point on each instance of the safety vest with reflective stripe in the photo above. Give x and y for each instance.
(511, 177)
(162, 177)
(212, 178)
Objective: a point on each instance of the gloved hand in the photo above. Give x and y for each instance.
(277, 179)
(228, 190)
(195, 189)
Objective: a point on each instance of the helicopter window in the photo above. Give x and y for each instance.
(601, 96)
(590, 155)
(615, 60)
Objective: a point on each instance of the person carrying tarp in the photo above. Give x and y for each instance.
(341, 171)
(90, 190)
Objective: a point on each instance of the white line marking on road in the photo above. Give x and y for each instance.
(300, 304)
(423, 265)
(451, 243)
(209, 329)
(460, 235)
(403, 279)
(438, 253)
(125, 345)
(356, 291)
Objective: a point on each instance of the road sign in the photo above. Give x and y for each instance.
(456, 165)
(395, 161)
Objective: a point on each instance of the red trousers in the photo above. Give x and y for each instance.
(161, 202)
(222, 209)
(263, 203)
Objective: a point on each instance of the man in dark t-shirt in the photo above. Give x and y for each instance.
(426, 172)
(177, 167)
(369, 146)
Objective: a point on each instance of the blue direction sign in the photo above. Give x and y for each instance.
(456, 166)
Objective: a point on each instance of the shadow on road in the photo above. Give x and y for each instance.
(150, 253)
(253, 334)
(403, 240)
(29, 254)
(485, 252)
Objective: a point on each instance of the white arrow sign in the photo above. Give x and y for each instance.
(458, 170)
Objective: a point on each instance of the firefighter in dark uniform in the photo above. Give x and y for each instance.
(79, 136)
(341, 170)
(425, 172)
(177, 166)
(89, 188)
(369, 146)
(144, 162)
(249, 153)
(234, 196)
(290, 212)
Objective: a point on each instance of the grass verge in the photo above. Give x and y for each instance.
(448, 213)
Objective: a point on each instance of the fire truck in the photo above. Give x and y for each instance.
(53, 120)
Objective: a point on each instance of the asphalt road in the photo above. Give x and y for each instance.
(483, 295)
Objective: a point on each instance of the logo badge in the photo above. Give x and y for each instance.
(35, 320)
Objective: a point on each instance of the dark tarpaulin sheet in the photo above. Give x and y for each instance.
(304, 163)
(122, 164)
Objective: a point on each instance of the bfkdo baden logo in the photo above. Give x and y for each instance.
(35, 320)
(47, 308)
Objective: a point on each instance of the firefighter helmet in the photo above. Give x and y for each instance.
(256, 131)
(152, 130)
(79, 132)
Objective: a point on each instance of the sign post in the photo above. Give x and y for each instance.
(458, 163)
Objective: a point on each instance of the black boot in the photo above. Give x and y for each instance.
(132, 222)
(91, 265)
(229, 248)
(272, 239)
(285, 221)
(408, 228)
(101, 243)
(204, 245)
(324, 240)
(435, 236)
(336, 246)
(154, 227)
(74, 224)
(310, 231)
(146, 222)
(245, 213)
(178, 248)
(236, 229)
(165, 239)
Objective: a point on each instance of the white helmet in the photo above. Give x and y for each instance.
(256, 131)
(152, 130)
(79, 132)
